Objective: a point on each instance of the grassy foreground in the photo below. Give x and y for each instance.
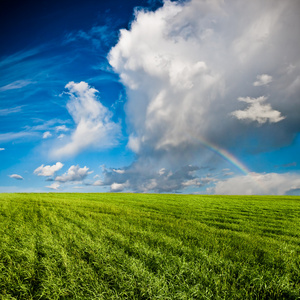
(133, 246)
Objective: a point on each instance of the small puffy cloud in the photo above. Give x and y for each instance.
(257, 111)
(16, 176)
(118, 187)
(258, 184)
(119, 171)
(61, 136)
(94, 125)
(75, 173)
(263, 79)
(48, 170)
(47, 134)
(63, 128)
(54, 186)
(162, 171)
(2, 149)
(98, 183)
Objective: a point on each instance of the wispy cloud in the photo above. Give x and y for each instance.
(16, 85)
(30, 132)
(19, 56)
(10, 136)
(98, 36)
(11, 110)
(2, 149)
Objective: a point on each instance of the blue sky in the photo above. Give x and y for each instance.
(150, 96)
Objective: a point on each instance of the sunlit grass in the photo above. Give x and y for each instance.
(133, 246)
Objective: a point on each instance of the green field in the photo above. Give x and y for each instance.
(149, 246)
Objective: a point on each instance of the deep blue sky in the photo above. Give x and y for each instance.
(150, 96)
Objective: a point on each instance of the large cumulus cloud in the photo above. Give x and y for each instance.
(186, 64)
(185, 68)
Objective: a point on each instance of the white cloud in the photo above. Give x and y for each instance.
(11, 110)
(48, 170)
(10, 136)
(2, 149)
(61, 136)
(183, 67)
(133, 144)
(256, 111)
(192, 182)
(168, 81)
(98, 183)
(47, 134)
(30, 131)
(75, 173)
(118, 187)
(16, 176)
(54, 186)
(263, 79)
(16, 85)
(63, 128)
(258, 184)
(94, 127)
(162, 171)
(119, 171)
(257, 33)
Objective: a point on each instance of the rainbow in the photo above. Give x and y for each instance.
(226, 155)
(231, 159)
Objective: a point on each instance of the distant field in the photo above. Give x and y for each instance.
(141, 246)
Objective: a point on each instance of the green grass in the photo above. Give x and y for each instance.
(133, 246)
